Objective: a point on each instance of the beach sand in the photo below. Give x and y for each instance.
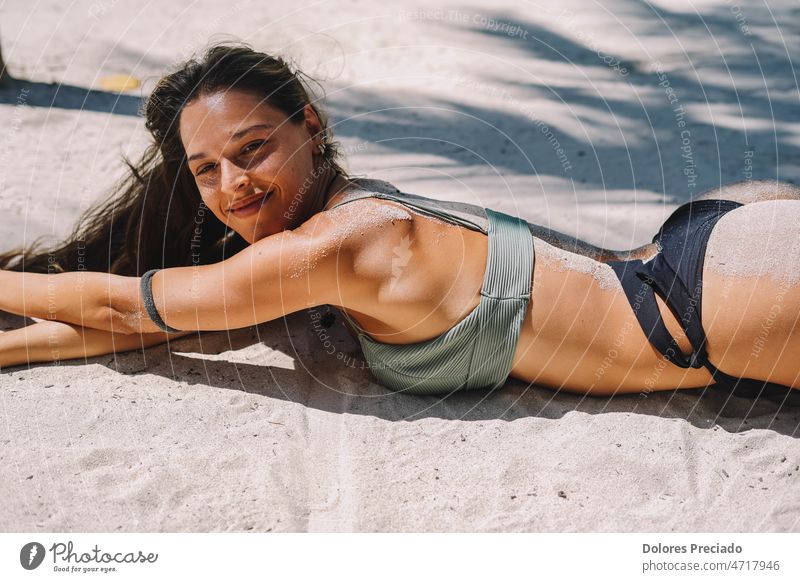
(566, 114)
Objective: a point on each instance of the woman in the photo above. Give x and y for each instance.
(241, 204)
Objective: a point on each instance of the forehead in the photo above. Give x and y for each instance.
(208, 122)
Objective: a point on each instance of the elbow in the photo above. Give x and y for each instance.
(126, 323)
(131, 322)
(123, 313)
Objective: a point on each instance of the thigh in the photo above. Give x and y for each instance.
(751, 292)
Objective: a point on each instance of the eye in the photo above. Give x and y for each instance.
(202, 169)
(253, 146)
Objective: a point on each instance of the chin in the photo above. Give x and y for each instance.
(263, 232)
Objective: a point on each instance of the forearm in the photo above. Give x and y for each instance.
(113, 303)
(88, 299)
(258, 284)
(50, 341)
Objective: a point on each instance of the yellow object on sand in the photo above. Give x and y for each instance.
(119, 83)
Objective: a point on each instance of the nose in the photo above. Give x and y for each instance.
(234, 179)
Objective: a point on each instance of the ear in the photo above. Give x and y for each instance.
(312, 122)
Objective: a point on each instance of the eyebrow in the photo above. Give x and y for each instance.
(236, 136)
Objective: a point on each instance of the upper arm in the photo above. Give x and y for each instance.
(280, 274)
(275, 276)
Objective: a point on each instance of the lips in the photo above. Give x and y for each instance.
(249, 205)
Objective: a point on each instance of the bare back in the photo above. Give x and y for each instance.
(416, 281)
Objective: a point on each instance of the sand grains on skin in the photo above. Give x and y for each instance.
(348, 219)
(560, 260)
(757, 240)
(751, 291)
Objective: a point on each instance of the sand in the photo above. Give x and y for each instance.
(281, 427)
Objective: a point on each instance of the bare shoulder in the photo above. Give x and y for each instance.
(359, 224)
(362, 234)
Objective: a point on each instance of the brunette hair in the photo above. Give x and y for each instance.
(155, 217)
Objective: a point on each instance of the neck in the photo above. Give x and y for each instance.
(327, 184)
(321, 189)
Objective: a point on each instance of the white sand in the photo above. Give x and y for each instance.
(279, 428)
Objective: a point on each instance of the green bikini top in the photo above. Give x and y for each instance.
(477, 352)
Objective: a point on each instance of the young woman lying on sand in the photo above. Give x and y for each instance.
(242, 205)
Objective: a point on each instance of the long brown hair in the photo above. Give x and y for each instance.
(155, 217)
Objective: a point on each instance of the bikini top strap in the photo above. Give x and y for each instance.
(509, 266)
(423, 205)
(354, 195)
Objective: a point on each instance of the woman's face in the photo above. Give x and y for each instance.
(252, 165)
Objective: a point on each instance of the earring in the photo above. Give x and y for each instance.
(321, 148)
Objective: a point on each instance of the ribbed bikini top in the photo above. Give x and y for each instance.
(476, 352)
(468, 215)
(464, 214)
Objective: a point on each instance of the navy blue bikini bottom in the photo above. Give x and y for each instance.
(676, 275)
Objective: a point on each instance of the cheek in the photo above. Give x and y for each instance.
(302, 171)
(288, 158)
(296, 160)
(212, 201)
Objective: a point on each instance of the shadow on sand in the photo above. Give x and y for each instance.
(60, 96)
(336, 384)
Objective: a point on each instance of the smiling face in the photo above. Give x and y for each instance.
(254, 166)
